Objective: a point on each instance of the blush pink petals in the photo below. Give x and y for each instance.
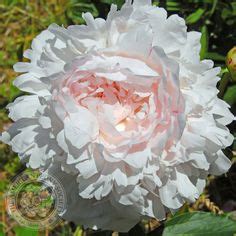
(124, 113)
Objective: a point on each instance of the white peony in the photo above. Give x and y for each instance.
(123, 112)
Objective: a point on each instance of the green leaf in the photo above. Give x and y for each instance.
(204, 42)
(213, 6)
(230, 95)
(200, 224)
(75, 10)
(172, 3)
(173, 6)
(1, 229)
(194, 17)
(3, 187)
(23, 231)
(119, 3)
(215, 56)
(79, 231)
(223, 83)
(9, 91)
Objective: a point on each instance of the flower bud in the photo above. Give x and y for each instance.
(231, 62)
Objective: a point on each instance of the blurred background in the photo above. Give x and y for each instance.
(22, 20)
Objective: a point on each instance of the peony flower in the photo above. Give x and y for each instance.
(124, 113)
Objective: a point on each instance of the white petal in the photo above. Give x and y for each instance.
(168, 195)
(185, 187)
(172, 35)
(81, 127)
(24, 107)
(221, 165)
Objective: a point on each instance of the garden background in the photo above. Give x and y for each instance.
(22, 20)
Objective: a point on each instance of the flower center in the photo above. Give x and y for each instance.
(117, 102)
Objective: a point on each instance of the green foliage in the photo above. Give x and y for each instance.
(23, 231)
(10, 92)
(196, 16)
(1, 229)
(229, 14)
(215, 56)
(230, 95)
(79, 231)
(12, 166)
(173, 6)
(200, 223)
(204, 42)
(48, 202)
(119, 3)
(75, 10)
